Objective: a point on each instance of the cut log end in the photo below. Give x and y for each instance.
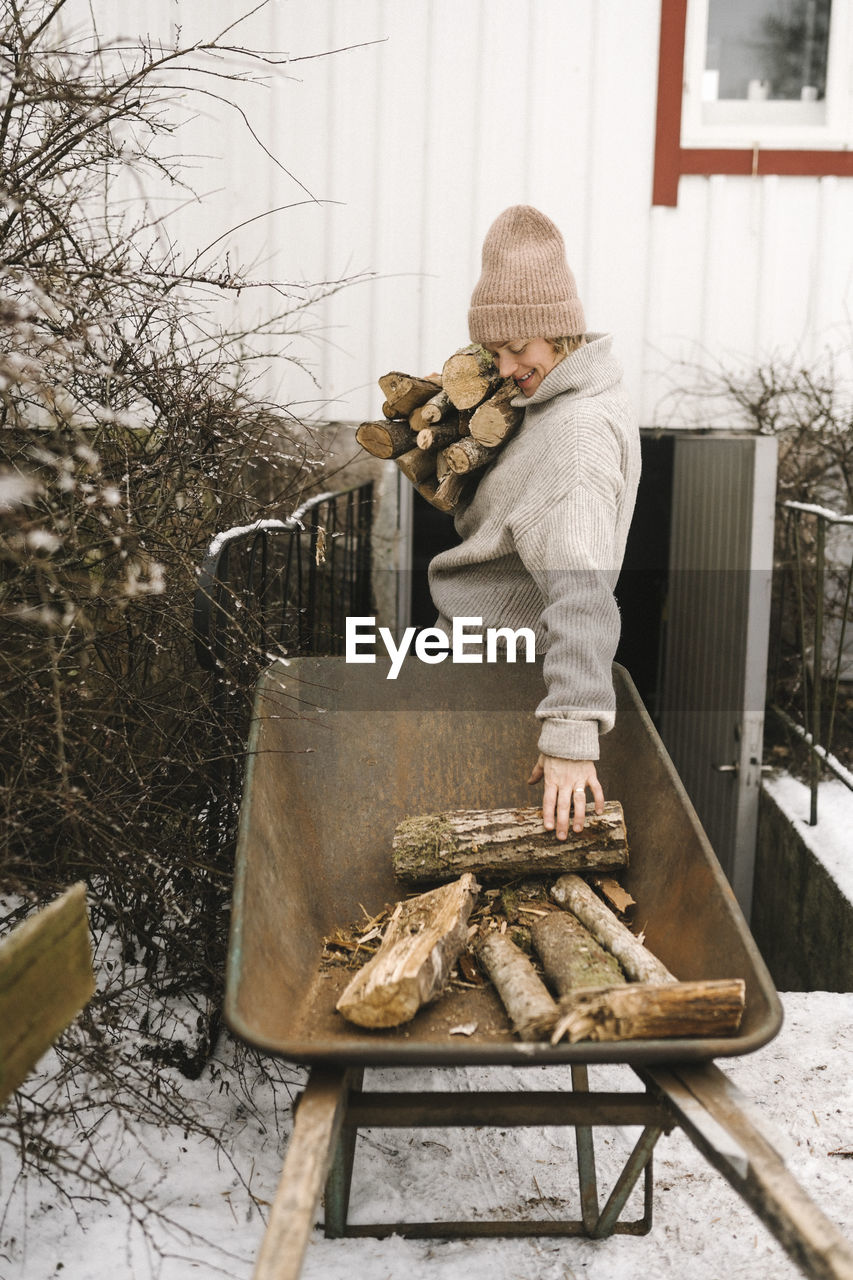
(404, 393)
(417, 465)
(385, 439)
(469, 376)
(468, 455)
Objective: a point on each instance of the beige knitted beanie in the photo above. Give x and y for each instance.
(526, 289)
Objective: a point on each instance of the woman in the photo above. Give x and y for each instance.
(544, 534)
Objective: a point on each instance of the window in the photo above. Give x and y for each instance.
(753, 86)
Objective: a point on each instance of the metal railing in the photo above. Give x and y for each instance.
(275, 588)
(818, 667)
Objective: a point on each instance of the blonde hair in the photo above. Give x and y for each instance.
(565, 346)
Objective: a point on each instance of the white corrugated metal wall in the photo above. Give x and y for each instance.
(436, 114)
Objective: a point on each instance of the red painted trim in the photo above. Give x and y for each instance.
(803, 164)
(673, 21)
(671, 159)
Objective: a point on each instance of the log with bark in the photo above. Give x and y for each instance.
(500, 844)
(422, 943)
(638, 962)
(436, 410)
(494, 421)
(640, 1011)
(403, 392)
(467, 455)
(531, 1009)
(385, 439)
(450, 491)
(571, 956)
(439, 435)
(469, 375)
(417, 465)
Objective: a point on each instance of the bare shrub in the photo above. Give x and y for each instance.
(132, 425)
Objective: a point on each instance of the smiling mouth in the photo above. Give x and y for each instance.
(521, 381)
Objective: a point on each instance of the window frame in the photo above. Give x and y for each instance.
(804, 151)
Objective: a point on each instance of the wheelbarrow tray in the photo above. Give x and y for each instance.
(339, 754)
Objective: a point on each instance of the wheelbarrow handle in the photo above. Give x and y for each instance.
(316, 1128)
(725, 1127)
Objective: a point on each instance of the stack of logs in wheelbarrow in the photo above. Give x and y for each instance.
(609, 985)
(338, 758)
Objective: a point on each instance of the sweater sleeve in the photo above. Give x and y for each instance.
(569, 552)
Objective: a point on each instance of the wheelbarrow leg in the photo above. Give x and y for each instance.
(716, 1117)
(585, 1143)
(601, 1224)
(338, 1184)
(316, 1128)
(640, 1161)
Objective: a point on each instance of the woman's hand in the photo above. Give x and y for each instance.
(566, 782)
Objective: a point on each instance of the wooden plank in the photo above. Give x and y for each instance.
(45, 979)
(707, 1105)
(316, 1128)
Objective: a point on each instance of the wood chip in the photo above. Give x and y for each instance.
(618, 898)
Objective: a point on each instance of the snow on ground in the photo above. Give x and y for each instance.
(205, 1210)
(198, 1209)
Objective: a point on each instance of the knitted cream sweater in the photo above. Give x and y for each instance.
(543, 541)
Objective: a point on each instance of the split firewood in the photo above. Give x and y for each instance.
(436, 409)
(650, 1012)
(468, 455)
(404, 392)
(438, 436)
(637, 961)
(417, 465)
(495, 419)
(469, 375)
(500, 844)
(385, 439)
(531, 1009)
(571, 956)
(422, 943)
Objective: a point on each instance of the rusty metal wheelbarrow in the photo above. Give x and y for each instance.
(337, 756)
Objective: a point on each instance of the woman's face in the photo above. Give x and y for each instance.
(527, 361)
